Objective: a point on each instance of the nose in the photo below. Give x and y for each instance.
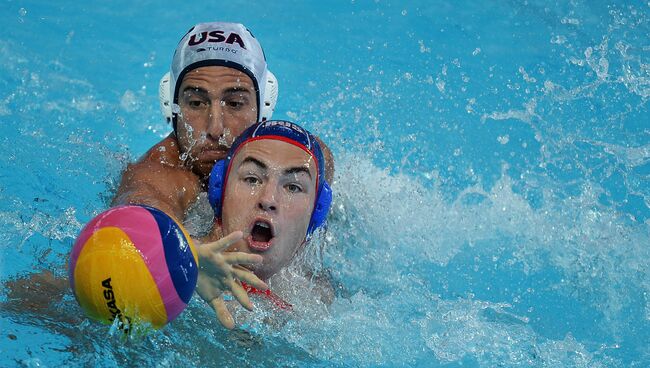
(266, 200)
(215, 126)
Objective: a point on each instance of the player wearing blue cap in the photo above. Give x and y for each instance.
(272, 191)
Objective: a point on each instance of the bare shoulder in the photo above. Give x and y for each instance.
(160, 180)
(166, 152)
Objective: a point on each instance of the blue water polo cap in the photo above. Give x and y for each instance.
(280, 130)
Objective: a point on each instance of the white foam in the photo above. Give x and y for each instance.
(386, 226)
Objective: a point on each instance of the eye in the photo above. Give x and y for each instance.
(195, 103)
(251, 180)
(294, 188)
(236, 103)
(194, 98)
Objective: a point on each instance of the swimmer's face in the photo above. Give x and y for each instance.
(216, 105)
(269, 196)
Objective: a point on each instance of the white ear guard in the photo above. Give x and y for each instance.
(165, 97)
(270, 95)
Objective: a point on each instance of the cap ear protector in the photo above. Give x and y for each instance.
(165, 97)
(215, 186)
(322, 207)
(218, 176)
(269, 97)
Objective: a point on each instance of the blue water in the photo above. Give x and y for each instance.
(492, 202)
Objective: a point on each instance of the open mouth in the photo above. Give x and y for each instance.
(261, 236)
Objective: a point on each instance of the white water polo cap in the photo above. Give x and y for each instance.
(219, 44)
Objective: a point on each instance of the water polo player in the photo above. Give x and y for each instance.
(271, 187)
(218, 85)
(214, 90)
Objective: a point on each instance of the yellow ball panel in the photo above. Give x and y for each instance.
(112, 280)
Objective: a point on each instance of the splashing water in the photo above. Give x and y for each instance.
(491, 205)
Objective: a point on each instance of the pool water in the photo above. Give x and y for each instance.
(492, 197)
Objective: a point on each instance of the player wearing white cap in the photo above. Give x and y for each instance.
(218, 86)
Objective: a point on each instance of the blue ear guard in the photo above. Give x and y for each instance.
(276, 128)
(215, 186)
(321, 209)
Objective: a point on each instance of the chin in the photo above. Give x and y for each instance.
(266, 271)
(202, 169)
(263, 274)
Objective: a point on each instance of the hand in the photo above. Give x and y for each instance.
(221, 271)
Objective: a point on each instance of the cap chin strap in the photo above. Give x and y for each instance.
(270, 97)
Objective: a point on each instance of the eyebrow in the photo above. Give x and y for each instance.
(204, 92)
(254, 161)
(198, 90)
(288, 171)
(298, 169)
(231, 90)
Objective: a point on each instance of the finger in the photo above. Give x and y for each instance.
(223, 314)
(249, 278)
(207, 287)
(224, 242)
(241, 295)
(242, 258)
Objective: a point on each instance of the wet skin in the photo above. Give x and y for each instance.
(269, 196)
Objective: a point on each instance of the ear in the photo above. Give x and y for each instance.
(215, 186)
